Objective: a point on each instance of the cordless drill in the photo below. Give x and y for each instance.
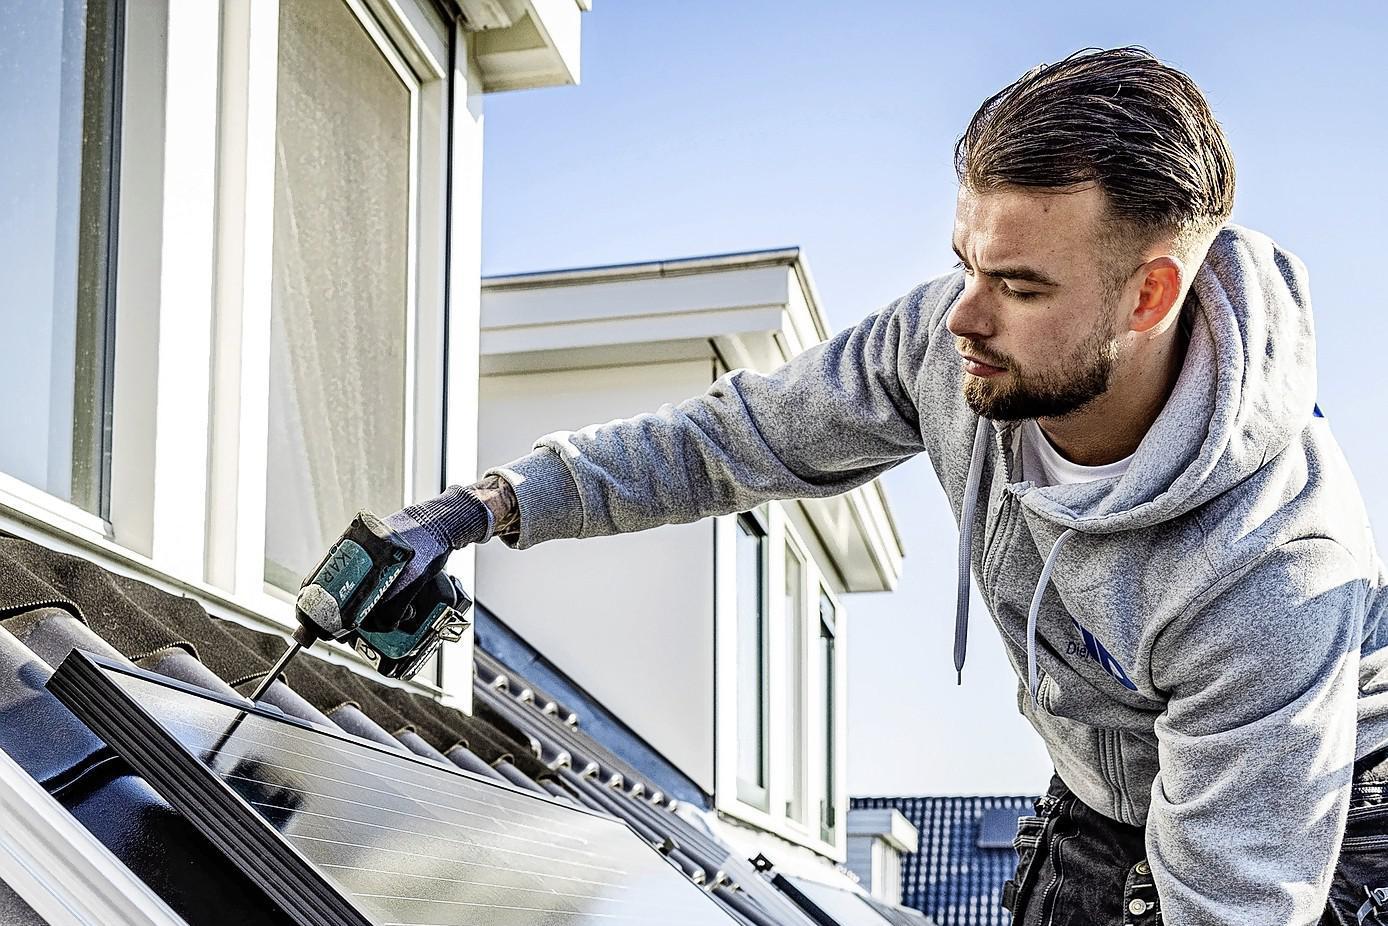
(339, 601)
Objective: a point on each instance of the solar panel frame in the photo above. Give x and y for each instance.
(84, 683)
(802, 900)
(228, 821)
(846, 908)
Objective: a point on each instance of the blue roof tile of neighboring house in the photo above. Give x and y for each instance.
(958, 873)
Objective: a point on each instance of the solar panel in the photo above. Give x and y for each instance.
(339, 831)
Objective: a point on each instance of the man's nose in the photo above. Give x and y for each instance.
(971, 317)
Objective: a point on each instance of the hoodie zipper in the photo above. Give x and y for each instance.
(1001, 521)
(1002, 524)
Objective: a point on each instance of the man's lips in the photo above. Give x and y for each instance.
(979, 368)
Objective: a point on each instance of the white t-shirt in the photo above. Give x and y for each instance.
(1043, 465)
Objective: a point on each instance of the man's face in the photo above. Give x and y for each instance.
(1041, 324)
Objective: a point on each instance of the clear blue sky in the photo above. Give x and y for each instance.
(722, 126)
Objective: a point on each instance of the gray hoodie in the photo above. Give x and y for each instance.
(1198, 641)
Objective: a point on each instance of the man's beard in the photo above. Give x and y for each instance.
(1083, 377)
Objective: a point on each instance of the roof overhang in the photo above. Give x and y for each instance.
(522, 44)
(755, 310)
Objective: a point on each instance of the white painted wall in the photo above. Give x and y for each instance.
(630, 618)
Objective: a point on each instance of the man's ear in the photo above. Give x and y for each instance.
(1160, 293)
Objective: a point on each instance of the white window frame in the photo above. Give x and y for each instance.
(194, 245)
(782, 531)
(759, 520)
(818, 747)
(237, 499)
(809, 574)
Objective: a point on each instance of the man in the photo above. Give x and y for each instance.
(1117, 392)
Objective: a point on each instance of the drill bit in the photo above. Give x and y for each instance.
(274, 673)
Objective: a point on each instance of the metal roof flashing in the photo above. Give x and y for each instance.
(752, 309)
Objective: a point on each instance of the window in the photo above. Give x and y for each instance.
(59, 66)
(777, 703)
(752, 686)
(796, 657)
(827, 816)
(341, 303)
(285, 206)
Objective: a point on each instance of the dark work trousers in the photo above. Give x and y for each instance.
(1076, 867)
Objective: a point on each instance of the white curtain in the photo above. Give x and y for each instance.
(337, 379)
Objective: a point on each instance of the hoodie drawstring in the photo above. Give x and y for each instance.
(1033, 679)
(982, 433)
(966, 543)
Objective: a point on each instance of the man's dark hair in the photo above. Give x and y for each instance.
(1118, 118)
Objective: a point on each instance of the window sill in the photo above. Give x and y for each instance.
(784, 827)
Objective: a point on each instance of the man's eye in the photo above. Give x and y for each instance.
(959, 265)
(1018, 293)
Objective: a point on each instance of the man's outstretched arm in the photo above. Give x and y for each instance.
(832, 418)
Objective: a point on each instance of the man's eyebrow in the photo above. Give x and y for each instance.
(1019, 272)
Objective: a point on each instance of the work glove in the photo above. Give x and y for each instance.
(381, 589)
(372, 575)
(434, 529)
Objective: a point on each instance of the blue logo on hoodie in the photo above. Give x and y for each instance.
(1095, 650)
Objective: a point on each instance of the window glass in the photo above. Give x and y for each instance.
(58, 71)
(796, 657)
(751, 663)
(340, 285)
(826, 673)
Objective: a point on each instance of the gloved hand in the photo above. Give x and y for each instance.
(347, 589)
(380, 588)
(435, 528)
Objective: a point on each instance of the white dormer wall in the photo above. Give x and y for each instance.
(649, 623)
(629, 617)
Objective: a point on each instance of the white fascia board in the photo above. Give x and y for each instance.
(546, 299)
(482, 15)
(540, 46)
(60, 869)
(680, 266)
(855, 530)
(589, 358)
(815, 319)
(748, 322)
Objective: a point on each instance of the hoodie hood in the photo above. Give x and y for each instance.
(1246, 389)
